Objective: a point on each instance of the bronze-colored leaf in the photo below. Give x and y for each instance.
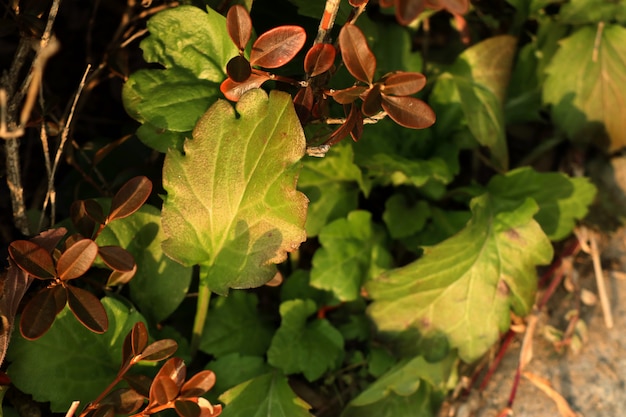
(15, 283)
(140, 383)
(354, 116)
(409, 111)
(106, 410)
(187, 408)
(198, 384)
(238, 69)
(130, 198)
(303, 103)
(88, 309)
(408, 10)
(121, 277)
(357, 3)
(208, 409)
(277, 46)
(77, 259)
(124, 400)
(233, 90)
(175, 370)
(40, 312)
(162, 391)
(32, 259)
(81, 220)
(49, 239)
(320, 58)
(372, 101)
(139, 338)
(239, 26)
(453, 6)
(159, 350)
(348, 95)
(403, 83)
(356, 54)
(116, 258)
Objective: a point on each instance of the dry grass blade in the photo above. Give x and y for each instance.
(544, 385)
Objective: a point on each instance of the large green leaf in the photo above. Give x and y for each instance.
(464, 287)
(585, 85)
(353, 250)
(311, 348)
(160, 284)
(234, 325)
(418, 404)
(231, 203)
(581, 12)
(194, 47)
(233, 369)
(69, 362)
(562, 200)
(267, 395)
(332, 186)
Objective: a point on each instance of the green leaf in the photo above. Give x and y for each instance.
(419, 404)
(561, 200)
(233, 369)
(194, 47)
(267, 395)
(300, 346)
(404, 219)
(585, 86)
(352, 251)
(70, 362)
(464, 287)
(332, 186)
(297, 285)
(582, 12)
(234, 325)
(160, 284)
(232, 205)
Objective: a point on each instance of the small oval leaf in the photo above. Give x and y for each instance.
(356, 54)
(140, 383)
(77, 259)
(372, 101)
(121, 277)
(88, 309)
(124, 400)
(130, 198)
(159, 350)
(116, 258)
(40, 312)
(319, 59)
(187, 408)
(32, 259)
(163, 390)
(198, 384)
(403, 83)
(277, 46)
(239, 26)
(408, 10)
(409, 111)
(233, 90)
(348, 95)
(138, 338)
(175, 370)
(238, 69)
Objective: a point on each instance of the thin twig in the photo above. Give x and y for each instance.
(327, 22)
(72, 410)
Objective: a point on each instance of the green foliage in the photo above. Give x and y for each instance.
(77, 353)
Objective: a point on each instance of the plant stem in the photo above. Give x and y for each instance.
(204, 297)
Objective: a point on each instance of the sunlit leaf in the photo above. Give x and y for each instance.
(41, 310)
(140, 383)
(130, 197)
(348, 95)
(88, 309)
(117, 258)
(403, 83)
(198, 384)
(124, 400)
(409, 112)
(408, 10)
(356, 54)
(159, 350)
(233, 90)
(77, 259)
(372, 101)
(175, 370)
(139, 338)
(581, 12)
(239, 26)
(268, 395)
(465, 287)
(232, 203)
(320, 58)
(277, 46)
(163, 390)
(233, 369)
(32, 259)
(187, 408)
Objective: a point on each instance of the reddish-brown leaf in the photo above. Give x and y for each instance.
(238, 69)
(40, 312)
(409, 111)
(32, 259)
(233, 90)
(372, 101)
(117, 258)
(198, 384)
(81, 220)
(121, 277)
(138, 338)
(187, 408)
(104, 411)
(208, 409)
(124, 400)
(87, 309)
(357, 3)
(356, 54)
(15, 283)
(408, 10)
(277, 46)
(130, 198)
(175, 370)
(77, 259)
(303, 103)
(357, 129)
(348, 95)
(163, 390)
(453, 6)
(345, 129)
(385, 3)
(403, 83)
(159, 350)
(50, 238)
(140, 383)
(320, 58)
(239, 26)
